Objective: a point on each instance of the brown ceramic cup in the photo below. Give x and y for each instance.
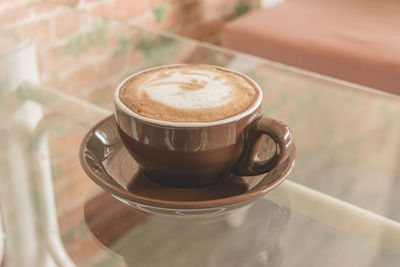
(196, 154)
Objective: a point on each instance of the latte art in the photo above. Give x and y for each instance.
(188, 93)
(195, 89)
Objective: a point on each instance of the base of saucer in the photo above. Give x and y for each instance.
(143, 185)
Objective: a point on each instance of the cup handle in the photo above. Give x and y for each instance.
(248, 164)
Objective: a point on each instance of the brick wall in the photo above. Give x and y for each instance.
(55, 27)
(199, 19)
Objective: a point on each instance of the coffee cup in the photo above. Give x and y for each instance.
(202, 152)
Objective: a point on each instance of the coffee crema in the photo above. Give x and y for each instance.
(188, 93)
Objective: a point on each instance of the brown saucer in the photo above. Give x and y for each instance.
(106, 161)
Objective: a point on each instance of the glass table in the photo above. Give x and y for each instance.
(338, 207)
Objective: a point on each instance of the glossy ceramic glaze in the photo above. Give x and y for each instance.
(170, 155)
(107, 162)
(200, 154)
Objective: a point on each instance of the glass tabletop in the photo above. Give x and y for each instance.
(337, 207)
(54, 214)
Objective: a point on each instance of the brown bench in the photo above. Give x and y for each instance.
(354, 40)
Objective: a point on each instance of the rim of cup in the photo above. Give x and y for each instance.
(123, 107)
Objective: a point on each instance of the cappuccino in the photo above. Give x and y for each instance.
(188, 93)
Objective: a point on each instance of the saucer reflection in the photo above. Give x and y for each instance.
(144, 239)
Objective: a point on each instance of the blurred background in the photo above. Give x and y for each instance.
(311, 57)
(355, 40)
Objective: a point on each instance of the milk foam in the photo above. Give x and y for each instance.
(211, 89)
(188, 93)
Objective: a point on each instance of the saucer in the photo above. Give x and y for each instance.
(106, 161)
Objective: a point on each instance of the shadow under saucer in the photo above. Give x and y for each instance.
(142, 239)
